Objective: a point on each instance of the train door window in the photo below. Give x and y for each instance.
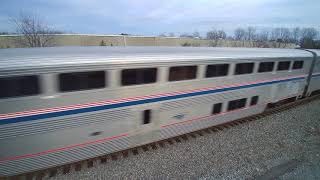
(237, 104)
(297, 65)
(180, 73)
(283, 65)
(216, 109)
(77, 81)
(146, 116)
(266, 67)
(254, 100)
(244, 68)
(19, 86)
(217, 70)
(138, 76)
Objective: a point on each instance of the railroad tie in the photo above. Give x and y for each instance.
(114, 157)
(77, 167)
(125, 154)
(184, 137)
(135, 151)
(103, 160)
(154, 146)
(66, 169)
(161, 144)
(177, 140)
(89, 164)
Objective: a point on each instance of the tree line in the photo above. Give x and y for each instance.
(305, 37)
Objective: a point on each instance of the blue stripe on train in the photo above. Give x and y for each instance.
(132, 103)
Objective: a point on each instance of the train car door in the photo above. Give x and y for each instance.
(147, 124)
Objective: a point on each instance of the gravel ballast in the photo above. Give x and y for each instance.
(285, 145)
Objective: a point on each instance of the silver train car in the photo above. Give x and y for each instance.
(314, 86)
(65, 104)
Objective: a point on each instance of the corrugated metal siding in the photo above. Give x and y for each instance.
(183, 128)
(54, 124)
(18, 166)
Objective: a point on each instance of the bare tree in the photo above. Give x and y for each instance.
(296, 34)
(215, 35)
(239, 34)
(222, 34)
(310, 33)
(263, 36)
(262, 39)
(280, 35)
(212, 35)
(284, 36)
(308, 36)
(196, 34)
(250, 34)
(275, 33)
(35, 33)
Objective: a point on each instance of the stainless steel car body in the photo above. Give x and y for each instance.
(314, 87)
(55, 128)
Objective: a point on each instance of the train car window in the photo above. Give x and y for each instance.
(297, 65)
(146, 116)
(180, 73)
(244, 68)
(265, 67)
(216, 109)
(237, 104)
(217, 70)
(77, 81)
(284, 65)
(138, 76)
(254, 100)
(18, 86)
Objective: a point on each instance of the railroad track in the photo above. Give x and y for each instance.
(89, 163)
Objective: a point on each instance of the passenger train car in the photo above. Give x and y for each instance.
(314, 87)
(65, 104)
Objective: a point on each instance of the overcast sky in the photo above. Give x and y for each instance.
(147, 17)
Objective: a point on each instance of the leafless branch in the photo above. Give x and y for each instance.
(35, 33)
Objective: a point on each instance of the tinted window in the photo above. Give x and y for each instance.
(217, 70)
(284, 65)
(237, 104)
(254, 100)
(138, 76)
(297, 65)
(146, 116)
(82, 80)
(266, 67)
(19, 86)
(180, 73)
(244, 68)
(216, 109)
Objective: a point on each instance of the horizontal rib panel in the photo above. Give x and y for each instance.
(53, 124)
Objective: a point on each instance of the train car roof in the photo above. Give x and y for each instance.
(317, 51)
(22, 58)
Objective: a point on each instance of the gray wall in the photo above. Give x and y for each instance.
(10, 41)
